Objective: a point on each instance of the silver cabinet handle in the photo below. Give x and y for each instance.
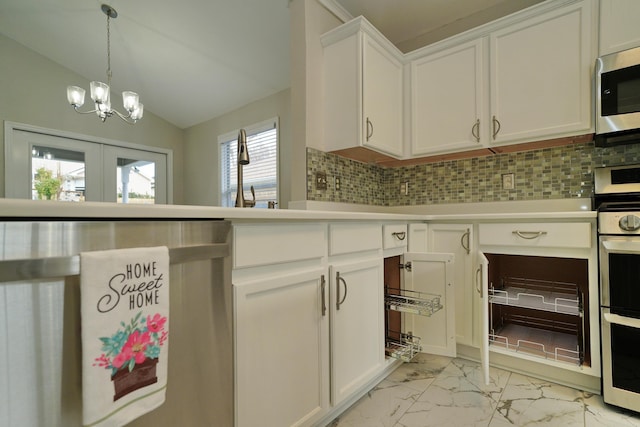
(322, 290)
(338, 300)
(369, 129)
(479, 280)
(496, 127)
(529, 235)
(475, 130)
(400, 235)
(467, 234)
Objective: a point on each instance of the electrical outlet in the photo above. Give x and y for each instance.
(337, 183)
(508, 181)
(404, 188)
(321, 181)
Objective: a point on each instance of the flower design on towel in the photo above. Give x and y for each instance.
(133, 343)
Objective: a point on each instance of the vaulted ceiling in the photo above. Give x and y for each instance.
(198, 59)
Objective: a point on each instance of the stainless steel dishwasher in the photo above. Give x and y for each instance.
(40, 348)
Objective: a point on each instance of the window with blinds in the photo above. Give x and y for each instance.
(262, 170)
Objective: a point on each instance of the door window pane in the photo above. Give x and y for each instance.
(136, 181)
(57, 174)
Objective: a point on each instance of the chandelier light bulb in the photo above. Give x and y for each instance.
(137, 113)
(130, 100)
(99, 92)
(75, 96)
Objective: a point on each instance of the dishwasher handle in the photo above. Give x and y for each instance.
(52, 267)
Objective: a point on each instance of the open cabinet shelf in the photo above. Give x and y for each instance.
(536, 307)
(412, 302)
(558, 346)
(402, 346)
(418, 294)
(545, 295)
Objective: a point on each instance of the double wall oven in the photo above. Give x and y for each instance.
(617, 199)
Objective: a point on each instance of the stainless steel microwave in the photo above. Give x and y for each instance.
(618, 98)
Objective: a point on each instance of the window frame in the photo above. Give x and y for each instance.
(256, 128)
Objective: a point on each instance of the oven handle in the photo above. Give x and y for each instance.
(621, 246)
(616, 319)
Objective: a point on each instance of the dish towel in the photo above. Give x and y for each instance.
(125, 330)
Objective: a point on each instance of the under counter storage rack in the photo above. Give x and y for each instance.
(401, 345)
(524, 300)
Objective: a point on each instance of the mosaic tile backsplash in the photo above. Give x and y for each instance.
(549, 173)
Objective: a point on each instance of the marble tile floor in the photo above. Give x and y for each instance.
(445, 392)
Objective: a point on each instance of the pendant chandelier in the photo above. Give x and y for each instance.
(100, 92)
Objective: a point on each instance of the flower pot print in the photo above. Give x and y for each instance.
(132, 353)
(142, 375)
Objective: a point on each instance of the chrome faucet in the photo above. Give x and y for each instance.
(243, 159)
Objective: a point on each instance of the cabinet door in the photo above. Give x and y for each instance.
(619, 28)
(382, 99)
(482, 285)
(357, 325)
(432, 273)
(282, 350)
(457, 239)
(540, 76)
(447, 100)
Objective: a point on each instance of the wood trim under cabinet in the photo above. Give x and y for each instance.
(366, 155)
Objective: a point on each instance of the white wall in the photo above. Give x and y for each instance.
(33, 91)
(309, 20)
(202, 170)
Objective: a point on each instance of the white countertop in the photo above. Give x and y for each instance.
(32, 209)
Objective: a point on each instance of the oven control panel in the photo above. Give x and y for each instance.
(619, 222)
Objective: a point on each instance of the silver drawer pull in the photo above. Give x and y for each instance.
(529, 235)
(400, 235)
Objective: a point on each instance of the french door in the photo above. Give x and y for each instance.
(42, 165)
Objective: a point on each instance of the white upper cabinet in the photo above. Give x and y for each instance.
(447, 99)
(540, 76)
(363, 83)
(619, 29)
(524, 78)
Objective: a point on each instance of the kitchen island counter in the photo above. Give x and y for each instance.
(32, 209)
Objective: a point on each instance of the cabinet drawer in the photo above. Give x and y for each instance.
(553, 235)
(256, 245)
(394, 236)
(346, 238)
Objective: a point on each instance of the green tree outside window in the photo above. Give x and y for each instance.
(46, 185)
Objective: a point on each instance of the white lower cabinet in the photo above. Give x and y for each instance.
(310, 317)
(357, 324)
(430, 316)
(458, 239)
(420, 287)
(538, 287)
(282, 349)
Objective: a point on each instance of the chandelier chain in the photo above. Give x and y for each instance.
(108, 50)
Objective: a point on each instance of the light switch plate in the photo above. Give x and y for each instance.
(321, 181)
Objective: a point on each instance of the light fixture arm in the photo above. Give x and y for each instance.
(100, 92)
